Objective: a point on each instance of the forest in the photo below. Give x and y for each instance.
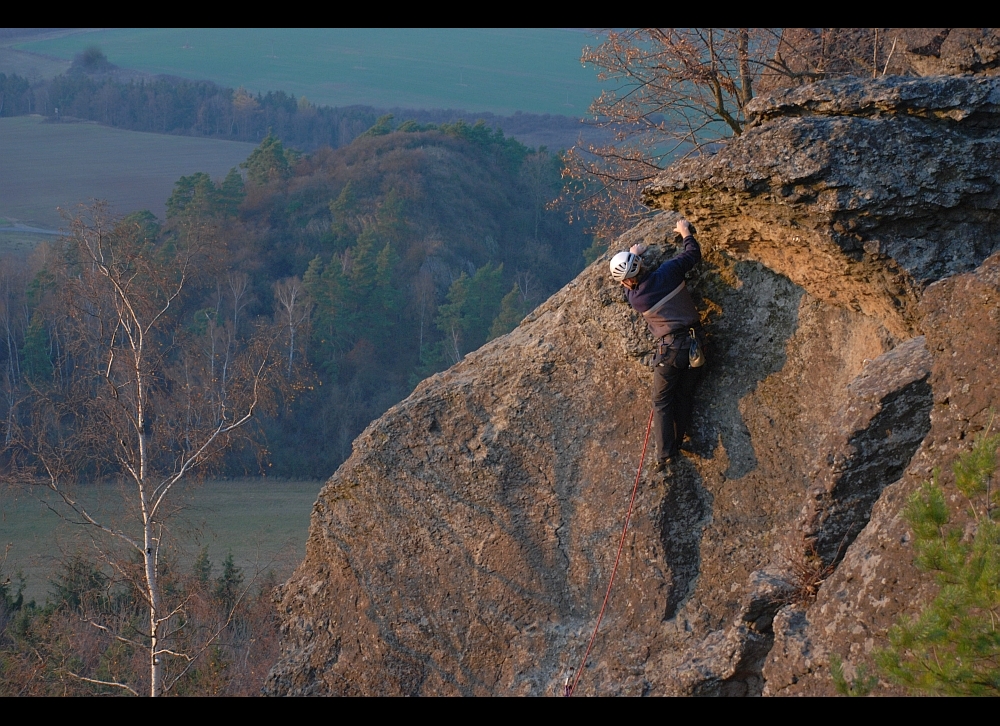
(301, 295)
(382, 262)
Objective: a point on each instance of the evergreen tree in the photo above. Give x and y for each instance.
(410, 126)
(509, 152)
(203, 566)
(327, 288)
(472, 305)
(198, 196)
(35, 355)
(482, 304)
(41, 285)
(146, 223)
(227, 586)
(11, 594)
(80, 583)
(953, 647)
(385, 267)
(512, 312)
(194, 195)
(344, 210)
(364, 263)
(231, 193)
(391, 217)
(268, 162)
(382, 126)
(389, 297)
(13, 91)
(860, 685)
(598, 248)
(450, 319)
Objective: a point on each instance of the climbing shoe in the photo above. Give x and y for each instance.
(664, 467)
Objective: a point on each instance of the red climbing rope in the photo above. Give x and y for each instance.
(621, 545)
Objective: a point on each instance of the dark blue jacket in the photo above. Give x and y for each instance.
(678, 313)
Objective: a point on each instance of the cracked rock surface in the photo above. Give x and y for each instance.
(465, 546)
(876, 582)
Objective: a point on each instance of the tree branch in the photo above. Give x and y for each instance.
(103, 683)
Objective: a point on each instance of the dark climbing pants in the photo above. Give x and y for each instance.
(673, 399)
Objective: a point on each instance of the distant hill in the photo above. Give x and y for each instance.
(415, 247)
(94, 89)
(410, 249)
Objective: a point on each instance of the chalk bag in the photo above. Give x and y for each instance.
(696, 354)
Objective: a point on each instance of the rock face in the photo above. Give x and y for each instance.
(947, 51)
(860, 192)
(876, 581)
(465, 546)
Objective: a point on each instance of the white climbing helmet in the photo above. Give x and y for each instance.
(625, 265)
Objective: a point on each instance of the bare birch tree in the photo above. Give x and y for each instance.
(133, 398)
(294, 309)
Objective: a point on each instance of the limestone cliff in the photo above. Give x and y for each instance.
(465, 545)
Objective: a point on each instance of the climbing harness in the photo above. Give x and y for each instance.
(607, 596)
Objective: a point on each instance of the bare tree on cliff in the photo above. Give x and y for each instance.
(130, 392)
(681, 91)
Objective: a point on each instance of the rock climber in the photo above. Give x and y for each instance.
(662, 298)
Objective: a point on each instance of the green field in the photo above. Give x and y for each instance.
(263, 521)
(497, 70)
(44, 166)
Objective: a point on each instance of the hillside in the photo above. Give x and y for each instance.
(407, 249)
(408, 244)
(464, 546)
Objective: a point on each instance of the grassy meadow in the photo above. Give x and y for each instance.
(46, 165)
(491, 69)
(263, 521)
